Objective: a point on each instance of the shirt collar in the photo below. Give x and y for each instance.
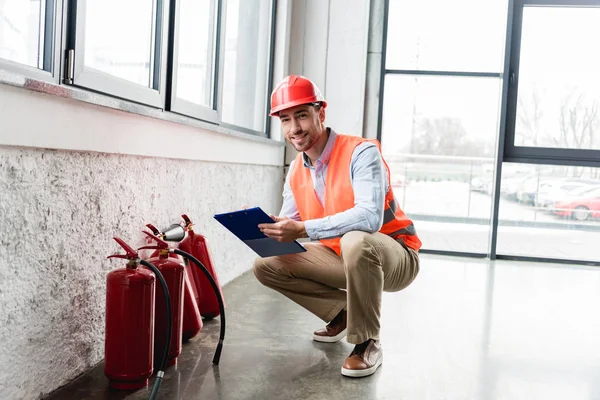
(326, 154)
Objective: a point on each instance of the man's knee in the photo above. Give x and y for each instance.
(268, 270)
(261, 270)
(356, 245)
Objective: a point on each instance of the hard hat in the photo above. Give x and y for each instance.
(293, 91)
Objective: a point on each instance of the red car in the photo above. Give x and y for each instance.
(581, 206)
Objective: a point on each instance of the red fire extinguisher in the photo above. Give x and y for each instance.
(192, 320)
(174, 235)
(129, 330)
(173, 272)
(130, 310)
(196, 244)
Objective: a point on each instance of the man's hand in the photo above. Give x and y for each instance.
(284, 229)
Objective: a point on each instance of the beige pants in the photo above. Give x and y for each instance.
(370, 264)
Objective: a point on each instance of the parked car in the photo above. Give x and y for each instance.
(581, 204)
(528, 189)
(550, 192)
(510, 186)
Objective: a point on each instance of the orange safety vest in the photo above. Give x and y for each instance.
(339, 195)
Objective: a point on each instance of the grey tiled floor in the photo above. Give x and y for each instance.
(465, 329)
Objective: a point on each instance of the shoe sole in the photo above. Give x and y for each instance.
(330, 339)
(361, 373)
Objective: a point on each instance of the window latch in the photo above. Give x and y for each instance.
(70, 67)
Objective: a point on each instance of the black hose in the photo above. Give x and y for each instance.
(163, 364)
(215, 287)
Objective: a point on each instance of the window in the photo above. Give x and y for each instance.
(206, 59)
(440, 119)
(554, 103)
(124, 60)
(246, 63)
(452, 95)
(194, 59)
(549, 211)
(439, 35)
(27, 33)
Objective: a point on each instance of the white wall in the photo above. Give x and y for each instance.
(328, 44)
(72, 176)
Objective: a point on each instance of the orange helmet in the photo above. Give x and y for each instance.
(293, 91)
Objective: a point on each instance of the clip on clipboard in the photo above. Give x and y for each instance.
(244, 225)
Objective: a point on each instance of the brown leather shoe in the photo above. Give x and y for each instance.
(364, 359)
(334, 331)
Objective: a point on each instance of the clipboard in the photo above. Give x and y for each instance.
(244, 225)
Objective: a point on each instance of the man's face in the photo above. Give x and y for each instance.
(302, 125)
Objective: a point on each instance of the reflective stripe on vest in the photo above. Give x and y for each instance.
(339, 195)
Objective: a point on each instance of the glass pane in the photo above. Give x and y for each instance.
(118, 38)
(442, 35)
(559, 84)
(22, 31)
(195, 56)
(439, 137)
(549, 211)
(247, 43)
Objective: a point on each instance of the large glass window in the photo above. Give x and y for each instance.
(246, 63)
(549, 211)
(444, 92)
(439, 135)
(441, 35)
(121, 53)
(440, 119)
(559, 85)
(125, 49)
(196, 39)
(206, 59)
(194, 59)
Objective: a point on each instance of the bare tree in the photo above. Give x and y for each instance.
(529, 115)
(578, 122)
(447, 136)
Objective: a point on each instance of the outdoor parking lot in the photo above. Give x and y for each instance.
(452, 211)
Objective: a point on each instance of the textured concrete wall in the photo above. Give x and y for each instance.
(58, 213)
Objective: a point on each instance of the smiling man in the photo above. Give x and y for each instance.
(338, 193)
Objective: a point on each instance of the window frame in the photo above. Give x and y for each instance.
(214, 114)
(102, 82)
(185, 107)
(530, 154)
(269, 72)
(51, 72)
(66, 67)
(506, 151)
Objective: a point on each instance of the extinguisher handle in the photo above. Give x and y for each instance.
(154, 229)
(119, 256)
(187, 220)
(131, 254)
(160, 244)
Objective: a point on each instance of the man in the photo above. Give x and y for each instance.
(337, 191)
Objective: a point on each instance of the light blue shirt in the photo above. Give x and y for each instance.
(368, 177)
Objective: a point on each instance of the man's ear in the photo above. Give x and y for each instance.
(322, 114)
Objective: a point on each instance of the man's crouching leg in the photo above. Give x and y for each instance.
(373, 262)
(310, 279)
